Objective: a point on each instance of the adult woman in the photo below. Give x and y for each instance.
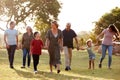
(54, 44)
(26, 39)
(107, 43)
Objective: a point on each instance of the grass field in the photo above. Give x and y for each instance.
(79, 68)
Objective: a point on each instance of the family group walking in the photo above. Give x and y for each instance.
(56, 41)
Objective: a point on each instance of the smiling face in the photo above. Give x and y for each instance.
(89, 43)
(38, 35)
(54, 25)
(68, 26)
(28, 29)
(12, 25)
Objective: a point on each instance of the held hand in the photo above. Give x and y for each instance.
(17, 47)
(45, 47)
(20, 46)
(77, 47)
(7, 46)
(30, 53)
(61, 49)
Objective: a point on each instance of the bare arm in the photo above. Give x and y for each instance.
(76, 40)
(98, 37)
(47, 43)
(5, 36)
(17, 41)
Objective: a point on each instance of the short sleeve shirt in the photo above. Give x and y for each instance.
(108, 36)
(36, 46)
(11, 36)
(68, 38)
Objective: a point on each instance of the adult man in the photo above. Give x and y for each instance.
(68, 36)
(11, 40)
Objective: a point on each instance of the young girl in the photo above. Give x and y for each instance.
(90, 52)
(35, 47)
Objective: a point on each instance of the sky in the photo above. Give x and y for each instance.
(83, 13)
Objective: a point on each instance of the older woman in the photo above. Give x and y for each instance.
(26, 39)
(54, 44)
(107, 43)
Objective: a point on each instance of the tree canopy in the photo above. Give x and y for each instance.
(113, 17)
(23, 10)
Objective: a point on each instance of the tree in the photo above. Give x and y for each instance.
(42, 27)
(26, 10)
(108, 18)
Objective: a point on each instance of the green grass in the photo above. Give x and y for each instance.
(79, 68)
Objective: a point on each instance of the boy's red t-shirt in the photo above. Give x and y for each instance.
(36, 46)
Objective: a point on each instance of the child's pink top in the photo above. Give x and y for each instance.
(108, 36)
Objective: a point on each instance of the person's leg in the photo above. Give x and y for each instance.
(50, 68)
(37, 60)
(89, 64)
(110, 48)
(70, 56)
(34, 62)
(104, 49)
(24, 57)
(58, 68)
(13, 48)
(29, 58)
(66, 57)
(9, 53)
(93, 66)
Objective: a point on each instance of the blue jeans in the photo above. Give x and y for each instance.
(26, 54)
(104, 49)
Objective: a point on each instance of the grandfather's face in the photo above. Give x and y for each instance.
(68, 26)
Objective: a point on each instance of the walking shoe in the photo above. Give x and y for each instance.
(66, 69)
(28, 66)
(100, 65)
(55, 66)
(35, 72)
(58, 71)
(11, 67)
(23, 67)
(69, 68)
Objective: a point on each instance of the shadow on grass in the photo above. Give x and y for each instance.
(47, 76)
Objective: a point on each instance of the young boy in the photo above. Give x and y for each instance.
(35, 49)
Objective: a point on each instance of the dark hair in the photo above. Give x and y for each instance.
(56, 24)
(114, 29)
(12, 22)
(35, 33)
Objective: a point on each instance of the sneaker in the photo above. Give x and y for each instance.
(28, 66)
(23, 67)
(55, 66)
(35, 72)
(109, 68)
(11, 67)
(58, 71)
(66, 69)
(100, 65)
(69, 68)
